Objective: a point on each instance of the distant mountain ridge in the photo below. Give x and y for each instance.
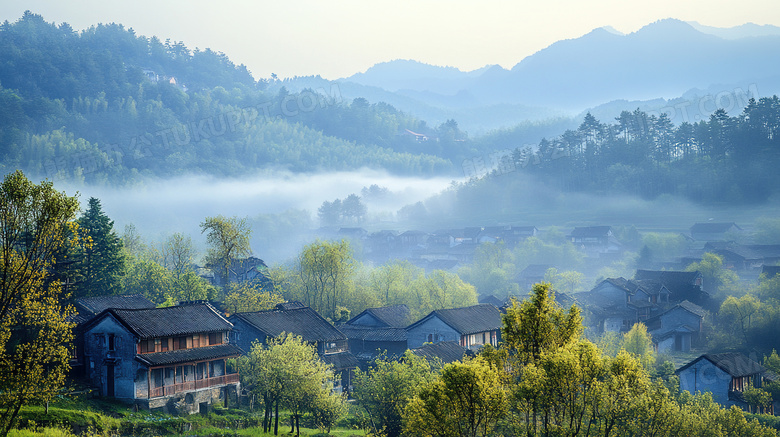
(663, 59)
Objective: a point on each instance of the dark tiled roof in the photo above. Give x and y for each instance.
(712, 228)
(468, 320)
(172, 321)
(392, 316)
(189, 355)
(692, 307)
(735, 364)
(447, 351)
(534, 270)
(99, 304)
(300, 321)
(341, 360)
(668, 277)
(492, 300)
(591, 231)
(291, 305)
(373, 333)
(89, 307)
(770, 271)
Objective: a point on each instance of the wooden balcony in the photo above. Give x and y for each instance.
(193, 385)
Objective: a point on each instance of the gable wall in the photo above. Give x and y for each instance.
(418, 335)
(703, 376)
(678, 317)
(98, 358)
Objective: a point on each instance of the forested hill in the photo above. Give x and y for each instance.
(108, 106)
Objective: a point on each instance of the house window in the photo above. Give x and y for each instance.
(111, 342)
(195, 341)
(215, 338)
(430, 338)
(163, 344)
(147, 346)
(182, 343)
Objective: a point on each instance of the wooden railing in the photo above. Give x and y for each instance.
(193, 385)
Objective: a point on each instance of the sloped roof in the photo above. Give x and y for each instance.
(373, 333)
(492, 300)
(467, 320)
(713, 228)
(88, 307)
(770, 271)
(591, 231)
(189, 355)
(392, 316)
(170, 321)
(733, 363)
(291, 305)
(691, 307)
(447, 351)
(299, 321)
(341, 360)
(669, 278)
(534, 270)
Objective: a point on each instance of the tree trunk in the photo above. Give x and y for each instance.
(276, 419)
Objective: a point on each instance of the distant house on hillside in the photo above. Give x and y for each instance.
(595, 241)
(710, 231)
(172, 358)
(471, 327)
(726, 376)
(744, 257)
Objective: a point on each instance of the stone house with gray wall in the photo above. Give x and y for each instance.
(174, 358)
(471, 327)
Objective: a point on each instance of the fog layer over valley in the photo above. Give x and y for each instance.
(160, 207)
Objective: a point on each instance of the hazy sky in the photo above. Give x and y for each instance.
(341, 37)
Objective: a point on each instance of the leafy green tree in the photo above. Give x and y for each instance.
(228, 239)
(178, 254)
(352, 208)
(387, 387)
(638, 343)
(330, 213)
(323, 274)
(146, 277)
(757, 399)
(34, 333)
(287, 372)
(101, 259)
(714, 276)
(539, 324)
(247, 297)
(568, 281)
(467, 399)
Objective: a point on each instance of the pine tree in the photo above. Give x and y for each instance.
(100, 261)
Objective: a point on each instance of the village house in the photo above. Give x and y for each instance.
(676, 329)
(710, 231)
(88, 308)
(746, 258)
(616, 304)
(471, 327)
(595, 241)
(174, 358)
(446, 351)
(297, 319)
(726, 376)
(682, 286)
(377, 331)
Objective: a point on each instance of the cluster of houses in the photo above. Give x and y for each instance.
(180, 359)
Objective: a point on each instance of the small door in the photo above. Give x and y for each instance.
(110, 380)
